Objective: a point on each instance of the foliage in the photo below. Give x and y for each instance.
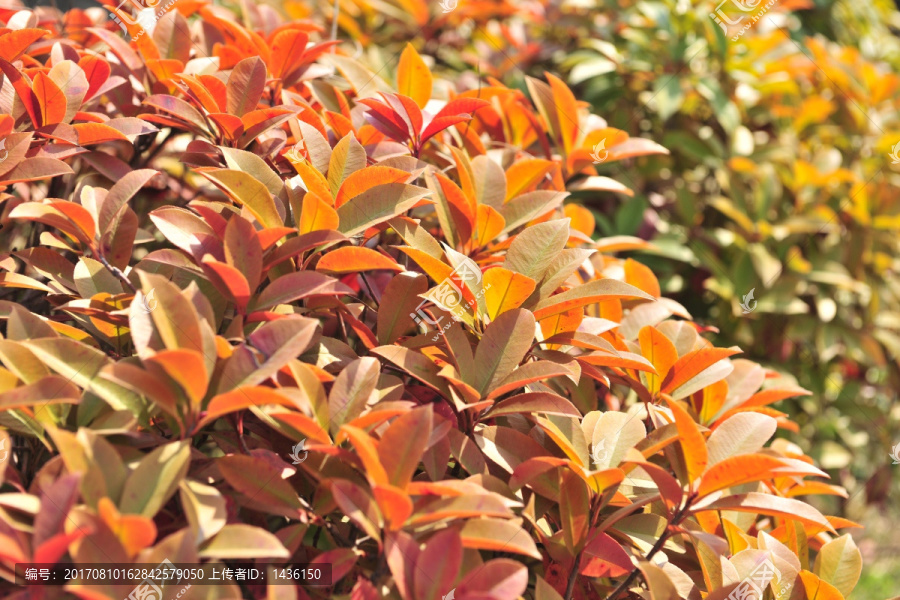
(232, 243)
(781, 182)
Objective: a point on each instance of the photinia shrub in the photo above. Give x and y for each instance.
(262, 304)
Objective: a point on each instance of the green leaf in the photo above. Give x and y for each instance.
(248, 162)
(81, 364)
(535, 248)
(574, 510)
(505, 343)
(247, 191)
(347, 157)
(400, 452)
(377, 205)
(204, 508)
(243, 541)
(351, 390)
(839, 563)
(155, 479)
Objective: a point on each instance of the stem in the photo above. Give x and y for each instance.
(573, 575)
(117, 272)
(334, 23)
(676, 520)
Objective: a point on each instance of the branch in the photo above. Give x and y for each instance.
(117, 272)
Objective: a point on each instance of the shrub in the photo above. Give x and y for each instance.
(263, 304)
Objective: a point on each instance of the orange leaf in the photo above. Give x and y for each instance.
(461, 208)
(567, 111)
(743, 468)
(365, 179)
(433, 267)
(187, 368)
(50, 99)
(241, 398)
(505, 290)
(367, 450)
(229, 281)
(818, 589)
(353, 259)
(14, 43)
(693, 444)
(489, 223)
(583, 221)
(525, 175)
(304, 425)
(97, 133)
(313, 178)
(661, 353)
(134, 531)
(692, 364)
(394, 504)
(641, 277)
(317, 215)
(287, 50)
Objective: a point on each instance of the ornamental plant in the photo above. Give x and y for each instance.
(266, 301)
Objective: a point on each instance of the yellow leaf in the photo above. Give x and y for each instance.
(413, 77)
(505, 290)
